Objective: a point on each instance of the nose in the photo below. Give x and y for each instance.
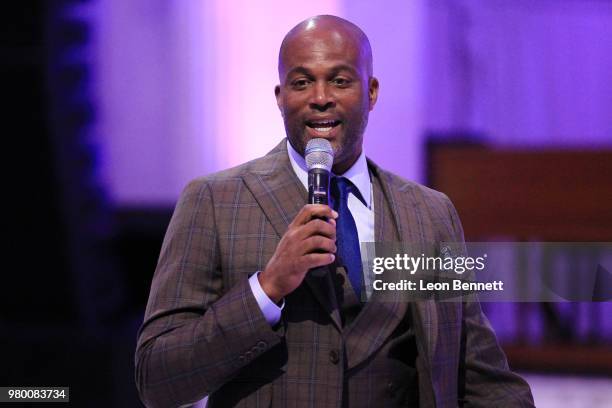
(322, 99)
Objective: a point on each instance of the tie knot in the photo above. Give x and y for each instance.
(340, 188)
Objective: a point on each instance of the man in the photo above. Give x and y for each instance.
(287, 336)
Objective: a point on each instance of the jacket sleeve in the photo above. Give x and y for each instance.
(197, 334)
(484, 379)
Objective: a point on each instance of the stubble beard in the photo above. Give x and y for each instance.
(342, 152)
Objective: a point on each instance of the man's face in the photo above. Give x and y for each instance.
(326, 92)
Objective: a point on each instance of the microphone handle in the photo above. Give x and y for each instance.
(318, 186)
(318, 193)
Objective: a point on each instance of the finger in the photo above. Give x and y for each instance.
(317, 227)
(318, 243)
(310, 211)
(315, 260)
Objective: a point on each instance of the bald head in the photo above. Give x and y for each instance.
(329, 28)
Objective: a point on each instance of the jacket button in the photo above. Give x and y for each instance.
(334, 356)
(262, 345)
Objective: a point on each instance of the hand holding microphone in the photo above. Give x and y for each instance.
(310, 240)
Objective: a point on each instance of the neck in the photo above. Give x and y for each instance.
(341, 168)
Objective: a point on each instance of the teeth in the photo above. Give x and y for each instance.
(323, 126)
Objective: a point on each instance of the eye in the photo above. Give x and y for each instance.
(341, 82)
(300, 83)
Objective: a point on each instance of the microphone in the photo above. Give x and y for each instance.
(319, 157)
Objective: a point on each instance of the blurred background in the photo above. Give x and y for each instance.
(112, 106)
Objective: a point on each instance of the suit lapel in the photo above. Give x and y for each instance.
(397, 218)
(281, 195)
(276, 188)
(410, 216)
(379, 318)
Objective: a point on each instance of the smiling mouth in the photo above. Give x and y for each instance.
(323, 126)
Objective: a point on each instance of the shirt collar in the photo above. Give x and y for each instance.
(358, 173)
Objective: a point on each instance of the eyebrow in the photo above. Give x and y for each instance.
(336, 69)
(299, 70)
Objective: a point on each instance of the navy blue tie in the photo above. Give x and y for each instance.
(347, 239)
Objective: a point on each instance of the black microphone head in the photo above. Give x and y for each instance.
(319, 154)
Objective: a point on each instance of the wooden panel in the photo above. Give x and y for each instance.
(525, 194)
(569, 358)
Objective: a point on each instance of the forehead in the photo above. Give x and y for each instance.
(311, 49)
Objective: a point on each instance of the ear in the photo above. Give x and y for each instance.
(277, 93)
(373, 91)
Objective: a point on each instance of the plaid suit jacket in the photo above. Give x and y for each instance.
(204, 334)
